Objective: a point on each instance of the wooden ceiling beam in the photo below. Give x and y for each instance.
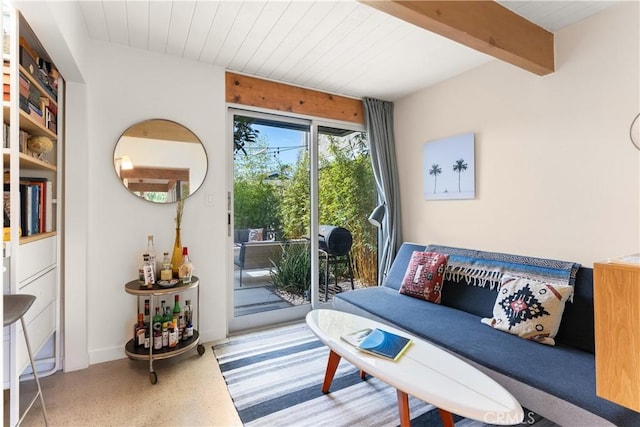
(482, 25)
(247, 90)
(155, 173)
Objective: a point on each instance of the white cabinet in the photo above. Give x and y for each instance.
(32, 160)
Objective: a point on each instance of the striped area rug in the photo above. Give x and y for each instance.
(274, 378)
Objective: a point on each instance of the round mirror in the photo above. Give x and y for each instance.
(160, 161)
(635, 131)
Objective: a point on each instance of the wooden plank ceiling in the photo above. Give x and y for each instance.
(341, 47)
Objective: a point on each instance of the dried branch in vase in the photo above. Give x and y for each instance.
(179, 210)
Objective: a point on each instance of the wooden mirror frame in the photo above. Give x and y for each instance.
(160, 161)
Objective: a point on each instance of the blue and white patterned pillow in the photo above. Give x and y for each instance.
(530, 309)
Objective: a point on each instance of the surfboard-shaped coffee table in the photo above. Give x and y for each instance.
(424, 371)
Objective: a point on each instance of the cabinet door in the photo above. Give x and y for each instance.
(41, 317)
(617, 315)
(35, 258)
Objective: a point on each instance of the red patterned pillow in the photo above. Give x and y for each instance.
(424, 276)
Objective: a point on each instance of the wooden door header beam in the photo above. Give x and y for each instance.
(247, 90)
(482, 25)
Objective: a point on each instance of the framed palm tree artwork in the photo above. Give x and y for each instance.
(449, 168)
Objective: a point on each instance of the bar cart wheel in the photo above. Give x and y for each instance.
(153, 377)
(200, 349)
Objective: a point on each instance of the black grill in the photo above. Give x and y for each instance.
(334, 240)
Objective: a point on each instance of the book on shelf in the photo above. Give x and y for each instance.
(7, 205)
(36, 205)
(379, 342)
(24, 104)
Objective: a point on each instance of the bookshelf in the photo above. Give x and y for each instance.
(32, 106)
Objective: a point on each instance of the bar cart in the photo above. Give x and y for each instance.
(136, 353)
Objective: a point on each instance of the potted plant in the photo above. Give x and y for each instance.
(292, 272)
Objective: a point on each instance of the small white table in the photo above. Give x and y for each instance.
(424, 371)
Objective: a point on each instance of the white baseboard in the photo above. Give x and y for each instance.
(106, 354)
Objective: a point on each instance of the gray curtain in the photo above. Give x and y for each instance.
(378, 117)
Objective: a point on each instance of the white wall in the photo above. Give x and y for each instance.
(125, 86)
(556, 173)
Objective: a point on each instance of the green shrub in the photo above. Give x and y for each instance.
(292, 272)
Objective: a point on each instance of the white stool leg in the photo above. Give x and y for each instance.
(35, 376)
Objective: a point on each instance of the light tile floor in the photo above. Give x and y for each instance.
(190, 392)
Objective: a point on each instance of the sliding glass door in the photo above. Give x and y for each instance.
(294, 179)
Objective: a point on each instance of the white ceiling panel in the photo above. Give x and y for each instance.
(138, 24)
(95, 20)
(201, 27)
(264, 25)
(159, 20)
(289, 49)
(555, 14)
(339, 46)
(179, 27)
(222, 22)
(269, 50)
(117, 21)
(243, 25)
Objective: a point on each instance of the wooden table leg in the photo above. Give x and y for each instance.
(332, 365)
(446, 417)
(403, 408)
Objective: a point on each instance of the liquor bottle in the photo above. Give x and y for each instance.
(176, 308)
(147, 336)
(168, 317)
(141, 270)
(188, 312)
(165, 272)
(157, 339)
(147, 313)
(149, 274)
(165, 334)
(186, 267)
(173, 334)
(151, 250)
(188, 331)
(181, 326)
(157, 322)
(188, 321)
(138, 331)
(163, 307)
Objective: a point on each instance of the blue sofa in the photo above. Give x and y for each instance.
(557, 382)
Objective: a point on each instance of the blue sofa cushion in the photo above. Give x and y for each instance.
(562, 371)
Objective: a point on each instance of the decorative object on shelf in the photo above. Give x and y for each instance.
(168, 283)
(176, 258)
(39, 145)
(634, 132)
(174, 159)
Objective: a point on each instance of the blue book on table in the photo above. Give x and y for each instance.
(383, 343)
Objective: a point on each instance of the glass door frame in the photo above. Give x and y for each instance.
(257, 320)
